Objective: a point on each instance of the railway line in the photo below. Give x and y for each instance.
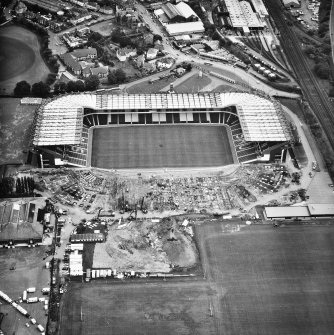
(314, 94)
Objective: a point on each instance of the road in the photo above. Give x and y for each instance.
(251, 81)
(315, 94)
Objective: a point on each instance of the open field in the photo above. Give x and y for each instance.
(20, 58)
(138, 307)
(193, 84)
(277, 280)
(160, 146)
(146, 87)
(12, 62)
(259, 280)
(30, 272)
(15, 121)
(104, 28)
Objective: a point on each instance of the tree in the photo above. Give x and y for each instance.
(71, 86)
(80, 85)
(157, 37)
(322, 70)
(112, 80)
(59, 87)
(116, 77)
(120, 75)
(40, 89)
(51, 78)
(92, 83)
(22, 89)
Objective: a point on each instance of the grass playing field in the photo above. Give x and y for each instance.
(276, 280)
(20, 58)
(261, 280)
(136, 307)
(160, 146)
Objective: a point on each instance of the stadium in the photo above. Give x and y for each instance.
(120, 131)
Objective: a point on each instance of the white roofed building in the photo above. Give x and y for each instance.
(185, 28)
(260, 8)
(61, 124)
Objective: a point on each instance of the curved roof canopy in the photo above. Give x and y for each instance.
(59, 121)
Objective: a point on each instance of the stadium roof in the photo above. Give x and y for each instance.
(287, 211)
(59, 121)
(321, 209)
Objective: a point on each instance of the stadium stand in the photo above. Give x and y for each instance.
(62, 124)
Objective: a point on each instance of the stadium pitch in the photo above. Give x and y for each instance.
(160, 146)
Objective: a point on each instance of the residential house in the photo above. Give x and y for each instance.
(124, 53)
(83, 31)
(82, 54)
(71, 63)
(149, 67)
(72, 59)
(165, 63)
(151, 53)
(80, 18)
(106, 10)
(140, 61)
(101, 71)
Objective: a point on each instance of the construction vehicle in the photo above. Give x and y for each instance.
(142, 207)
(130, 217)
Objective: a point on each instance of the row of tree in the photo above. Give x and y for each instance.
(23, 186)
(43, 90)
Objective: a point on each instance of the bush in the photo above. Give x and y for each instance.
(92, 83)
(22, 89)
(322, 70)
(40, 90)
(51, 78)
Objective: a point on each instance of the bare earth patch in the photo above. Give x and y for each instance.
(146, 247)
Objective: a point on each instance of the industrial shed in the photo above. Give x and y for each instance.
(87, 238)
(291, 3)
(287, 212)
(300, 212)
(18, 224)
(321, 210)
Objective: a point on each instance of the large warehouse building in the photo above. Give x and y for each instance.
(243, 17)
(257, 125)
(179, 19)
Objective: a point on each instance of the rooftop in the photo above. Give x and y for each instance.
(59, 120)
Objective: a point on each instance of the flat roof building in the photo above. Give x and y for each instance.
(300, 212)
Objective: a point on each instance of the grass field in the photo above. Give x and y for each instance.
(259, 281)
(277, 281)
(193, 84)
(12, 62)
(160, 146)
(20, 58)
(154, 307)
(146, 87)
(15, 122)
